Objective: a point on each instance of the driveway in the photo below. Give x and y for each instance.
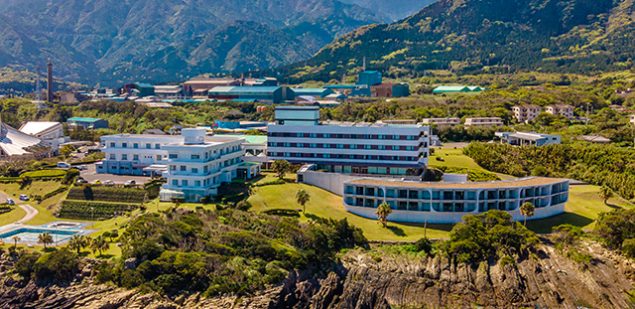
(30, 214)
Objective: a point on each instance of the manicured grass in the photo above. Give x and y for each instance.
(328, 205)
(583, 208)
(453, 158)
(45, 173)
(35, 188)
(10, 217)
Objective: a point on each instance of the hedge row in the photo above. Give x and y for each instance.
(5, 208)
(93, 210)
(109, 194)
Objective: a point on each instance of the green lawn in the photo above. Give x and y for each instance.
(35, 188)
(10, 217)
(583, 208)
(328, 205)
(453, 158)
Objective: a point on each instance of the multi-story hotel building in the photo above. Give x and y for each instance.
(198, 165)
(131, 154)
(441, 122)
(350, 148)
(446, 202)
(560, 110)
(483, 122)
(526, 113)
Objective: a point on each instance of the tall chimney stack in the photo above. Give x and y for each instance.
(49, 81)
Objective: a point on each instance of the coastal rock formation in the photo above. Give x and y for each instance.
(367, 280)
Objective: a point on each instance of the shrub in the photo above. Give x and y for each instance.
(628, 247)
(57, 266)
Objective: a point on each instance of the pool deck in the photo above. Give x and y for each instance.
(77, 228)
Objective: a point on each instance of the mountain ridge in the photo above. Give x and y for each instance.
(470, 36)
(122, 41)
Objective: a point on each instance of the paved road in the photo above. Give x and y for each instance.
(90, 175)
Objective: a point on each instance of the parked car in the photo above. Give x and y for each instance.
(63, 165)
(109, 183)
(10, 201)
(130, 183)
(81, 181)
(82, 167)
(24, 197)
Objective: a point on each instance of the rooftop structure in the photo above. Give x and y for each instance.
(456, 89)
(483, 122)
(528, 138)
(442, 122)
(347, 147)
(200, 86)
(50, 133)
(313, 92)
(597, 139)
(390, 90)
(369, 78)
(16, 143)
(168, 91)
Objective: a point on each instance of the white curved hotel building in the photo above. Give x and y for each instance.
(446, 202)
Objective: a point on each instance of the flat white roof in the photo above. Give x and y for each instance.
(35, 127)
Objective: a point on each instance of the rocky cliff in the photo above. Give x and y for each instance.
(375, 280)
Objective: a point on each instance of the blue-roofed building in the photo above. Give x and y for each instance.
(369, 78)
(313, 92)
(261, 94)
(139, 89)
(87, 123)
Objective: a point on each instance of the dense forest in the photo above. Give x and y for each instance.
(597, 164)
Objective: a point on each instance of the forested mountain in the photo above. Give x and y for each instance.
(123, 40)
(472, 36)
(395, 9)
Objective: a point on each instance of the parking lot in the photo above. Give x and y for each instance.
(90, 175)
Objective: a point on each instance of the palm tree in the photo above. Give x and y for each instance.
(78, 242)
(527, 210)
(15, 239)
(45, 239)
(383, 210)
(606, 193)
(302, 197)
(99, 244)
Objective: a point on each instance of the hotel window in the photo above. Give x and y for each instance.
(148, 146)
(195, 157)
(158, 157)
(135, 145)
(112, 145)
(175, 182)
(174, 156)
(124, 157)
(135, 157)
(124, 145)
(157, 146)
(183, 168)
(113, 156)
(195, 170)
(197, 183)
(173, 167)
(184, 183)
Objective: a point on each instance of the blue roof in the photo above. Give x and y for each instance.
(309, 90)
(342, 86)
(84, 119)
(144, 85)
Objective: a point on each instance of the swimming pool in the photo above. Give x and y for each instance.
(29, 235)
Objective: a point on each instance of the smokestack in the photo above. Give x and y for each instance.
(49, 81)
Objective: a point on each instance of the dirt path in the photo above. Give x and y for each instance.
(30, 214)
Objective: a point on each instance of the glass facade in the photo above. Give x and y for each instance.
(456, 200)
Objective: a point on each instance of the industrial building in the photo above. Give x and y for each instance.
(87, 123)
(357, 148)
(50, 133)
(456, 89)
(268, 94)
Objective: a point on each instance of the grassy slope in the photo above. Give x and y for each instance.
(16, 214)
